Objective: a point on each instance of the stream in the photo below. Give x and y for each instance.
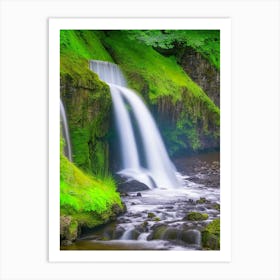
(158, 219)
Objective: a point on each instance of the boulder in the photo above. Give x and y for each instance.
(132, 186)
(196, 216)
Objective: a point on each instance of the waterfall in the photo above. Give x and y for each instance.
(65, 131)
(157, 169)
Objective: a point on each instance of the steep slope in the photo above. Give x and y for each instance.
(188, 118)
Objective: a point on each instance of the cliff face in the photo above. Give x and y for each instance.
(87, 100)
(88, 117)
(203, 73)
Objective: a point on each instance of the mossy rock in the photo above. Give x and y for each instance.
(151, 215)
(216, 206)
(68, 228)
(202, 200)
(196, 216)
(210, 236)
(158, 232)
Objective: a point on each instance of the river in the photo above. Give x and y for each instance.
(161, 219)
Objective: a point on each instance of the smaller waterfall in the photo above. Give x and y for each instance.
(65, 131)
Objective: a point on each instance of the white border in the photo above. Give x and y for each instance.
(55, 255)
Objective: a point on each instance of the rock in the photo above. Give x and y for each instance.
(158, 232)
(151, 215)
(215, 206)
(66, 243)
(191, 236)
(124, 194)
(118, 233)
(68, 228)
(132, 186)
(201, 200)
(196, 216)
(139, 194)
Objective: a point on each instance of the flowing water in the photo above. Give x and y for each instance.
(156, 219)
(65, 131)
(156, 170)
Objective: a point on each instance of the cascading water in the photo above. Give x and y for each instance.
(158, 171)
(65, 131)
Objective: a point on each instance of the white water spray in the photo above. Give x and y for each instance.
(158, 171)
(66, 135)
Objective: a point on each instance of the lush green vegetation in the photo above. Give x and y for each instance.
(167, 88)
(88, 200)
(144, 66)
(76, 48)
(87, 99)
(196, 216)
(211, 236)
(205, 42)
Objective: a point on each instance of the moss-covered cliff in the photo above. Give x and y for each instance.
(86, 98)
(188, 118)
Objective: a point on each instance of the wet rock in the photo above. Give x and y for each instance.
(174, 234)
(158, 232)
(66, 243)
(196, 216)
(118, 233)
(131, 235)
(202, 200)
(132, 186)
(151, 215)
(216, 206)
(191, 236)
(191, 201)
(143, 227)
(68, 228)
(123, 194)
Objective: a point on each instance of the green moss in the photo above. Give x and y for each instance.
(151, 215)
(143, 65)
(79, 192)
(73, 230)
(196, 216)
(85, 43)
(86, 200)
(210, 237)
(159, 232)
(87, 99)
(216, 206)
(166, 87)
(202, 200)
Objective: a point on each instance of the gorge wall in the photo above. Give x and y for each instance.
(202, 72)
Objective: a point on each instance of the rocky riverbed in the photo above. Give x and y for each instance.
(185, 218)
